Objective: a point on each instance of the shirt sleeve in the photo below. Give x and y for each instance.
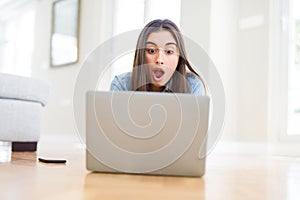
(120, 82)
(196, 85)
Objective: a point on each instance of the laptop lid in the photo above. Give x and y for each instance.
(146, 133)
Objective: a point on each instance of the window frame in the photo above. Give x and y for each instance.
(280, 49)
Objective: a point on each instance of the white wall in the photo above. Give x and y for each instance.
(195, 21)
(213, 25)
(252, 63)
(239, 46)
(223, 51)
(95, 27)
(235, 35)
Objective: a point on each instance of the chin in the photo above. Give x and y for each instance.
(158, 83)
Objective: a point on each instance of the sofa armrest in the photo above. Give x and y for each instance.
(24, 88)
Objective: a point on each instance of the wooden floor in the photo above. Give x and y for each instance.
(228, 176)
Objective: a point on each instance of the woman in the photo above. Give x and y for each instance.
(160, 63)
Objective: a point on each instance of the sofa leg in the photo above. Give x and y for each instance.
(24, 146)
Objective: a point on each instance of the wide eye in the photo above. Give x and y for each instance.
(151, 50)
(169, 51)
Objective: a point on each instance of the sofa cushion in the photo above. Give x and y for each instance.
(24, 88)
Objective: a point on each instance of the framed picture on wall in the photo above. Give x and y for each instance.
(64, 43)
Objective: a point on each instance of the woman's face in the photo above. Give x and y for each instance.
(162, 56)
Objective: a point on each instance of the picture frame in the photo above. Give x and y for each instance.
(64, 42)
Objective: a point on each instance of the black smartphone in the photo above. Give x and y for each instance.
(52, 160)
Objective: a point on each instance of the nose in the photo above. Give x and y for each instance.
(160, 58)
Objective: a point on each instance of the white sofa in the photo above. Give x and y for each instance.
(21, 102)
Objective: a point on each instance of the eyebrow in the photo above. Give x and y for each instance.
(168, 43)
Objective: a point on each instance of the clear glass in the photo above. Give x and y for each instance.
(5, 152)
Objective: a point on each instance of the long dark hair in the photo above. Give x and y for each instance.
(140, 78)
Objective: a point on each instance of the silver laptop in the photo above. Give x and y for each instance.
(146, 133)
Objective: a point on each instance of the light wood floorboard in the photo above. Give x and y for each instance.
(228, 176)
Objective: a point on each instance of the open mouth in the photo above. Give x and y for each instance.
(158, 74)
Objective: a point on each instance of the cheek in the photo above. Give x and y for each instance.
(173, 62)
(149, 59)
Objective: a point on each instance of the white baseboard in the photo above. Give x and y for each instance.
(255, 148)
